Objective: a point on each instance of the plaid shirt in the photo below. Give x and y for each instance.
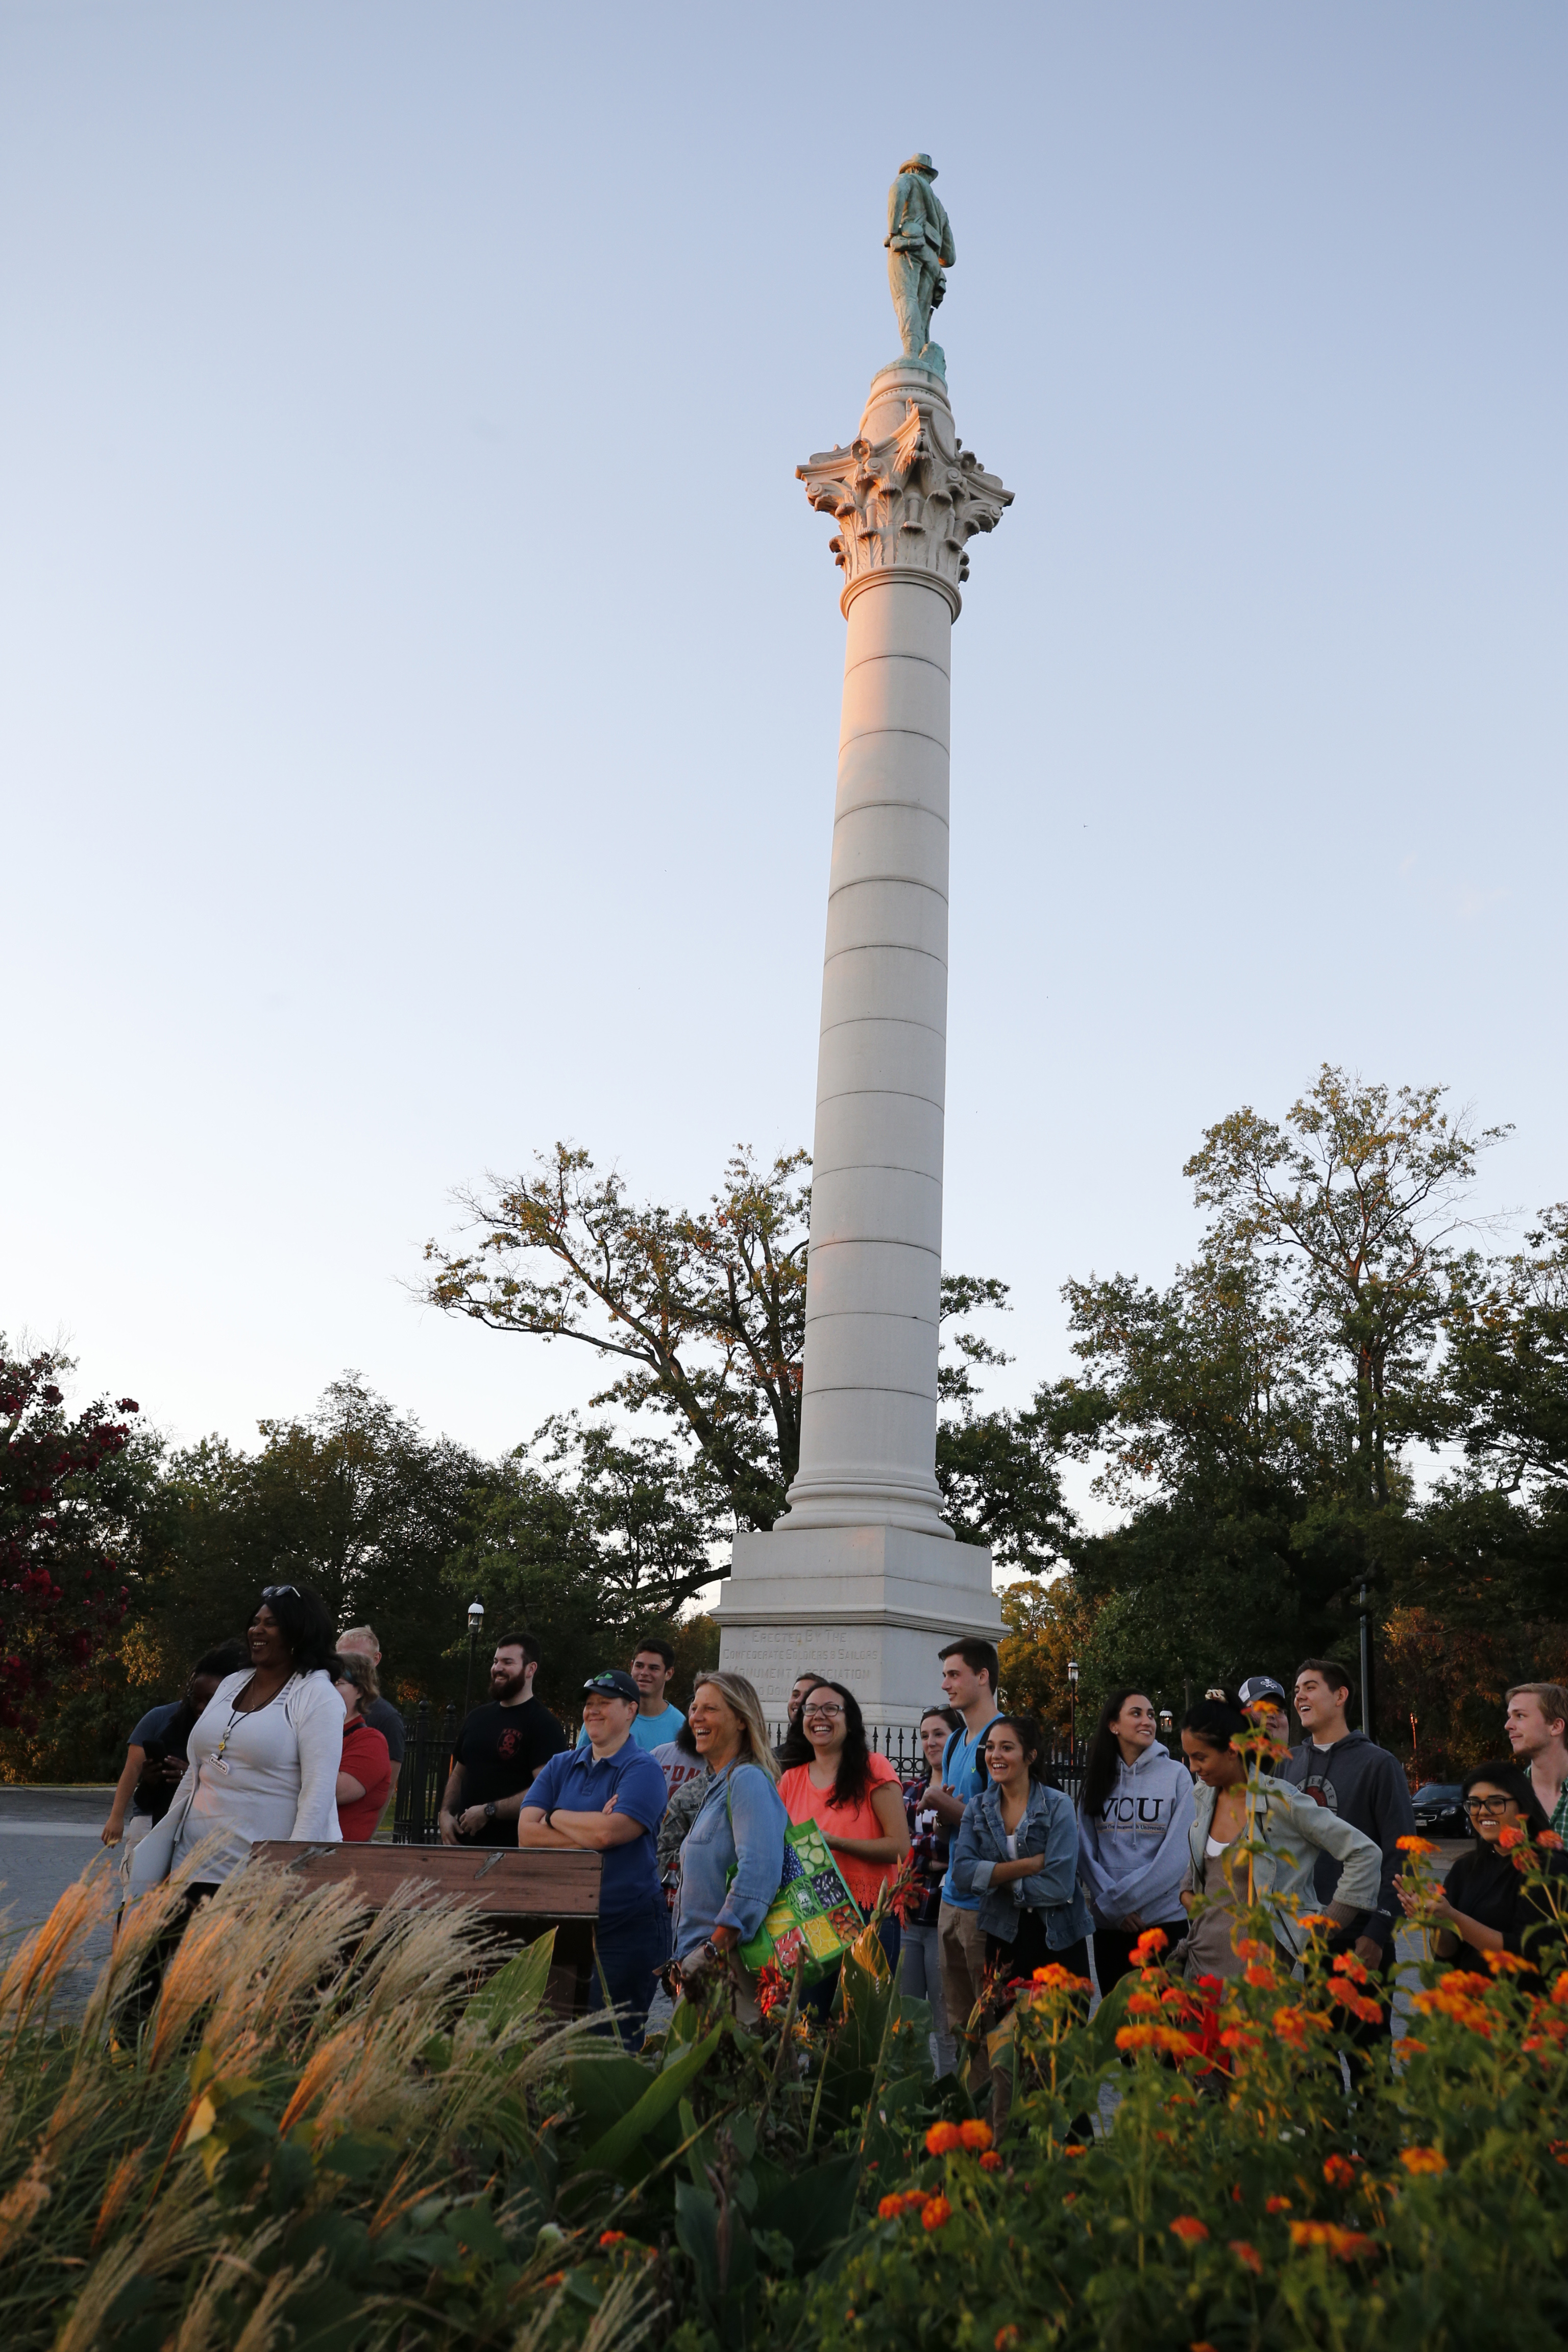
(1560, 1813)
(928, 1851)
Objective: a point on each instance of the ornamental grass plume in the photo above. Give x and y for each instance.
(299, 2059)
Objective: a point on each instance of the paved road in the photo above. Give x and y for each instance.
(47, 1838)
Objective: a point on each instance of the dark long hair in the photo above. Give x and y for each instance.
(304, 1624)
(1030, 1739)
(854, 1776)
(1218, 1718)
(1104, 1754)
(1515, 1782)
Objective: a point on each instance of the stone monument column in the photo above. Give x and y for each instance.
(861, 1578)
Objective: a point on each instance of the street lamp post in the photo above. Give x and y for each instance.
(1072, 1704)
(476, 1619)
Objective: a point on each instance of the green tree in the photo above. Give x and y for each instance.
(1508, 1370)
(1253, 1418)
(73, 1490)
(352, 1499)
(1353, 1202)
(704, 1314)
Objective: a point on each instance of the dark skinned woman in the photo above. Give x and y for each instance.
(265, 1753)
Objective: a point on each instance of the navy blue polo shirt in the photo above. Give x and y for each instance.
(574, 1783)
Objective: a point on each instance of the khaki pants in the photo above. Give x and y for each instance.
(961, 1942)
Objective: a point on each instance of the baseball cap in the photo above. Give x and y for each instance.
(617, 1683)
(1258, 1688)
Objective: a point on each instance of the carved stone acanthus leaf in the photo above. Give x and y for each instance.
(904, 505)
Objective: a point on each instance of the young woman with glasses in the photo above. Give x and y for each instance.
(1484, 1904)
(831, 1777)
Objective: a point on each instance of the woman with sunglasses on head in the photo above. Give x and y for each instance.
(1485, 1904)
(266, 1752)
(830, 1775)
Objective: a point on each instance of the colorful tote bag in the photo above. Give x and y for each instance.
(813, 1916)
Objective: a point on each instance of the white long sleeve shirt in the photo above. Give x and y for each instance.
(276, 1775)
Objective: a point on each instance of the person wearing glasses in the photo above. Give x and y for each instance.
(1485, 1904)
(265, 1752)
(830, 1775)
(607, 1798)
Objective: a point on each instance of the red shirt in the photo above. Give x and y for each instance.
(804, 1803)
(367, 1760)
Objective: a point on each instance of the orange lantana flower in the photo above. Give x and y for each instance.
(1423, 2159)
(942, 2138)
(1189, 2228)
(1346, 2243)
(937, 2213)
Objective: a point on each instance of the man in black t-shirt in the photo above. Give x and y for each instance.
(498, 1751)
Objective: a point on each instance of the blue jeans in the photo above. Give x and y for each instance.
(629, 1954)
(921, 1977)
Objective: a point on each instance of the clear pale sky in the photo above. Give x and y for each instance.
(421, 667)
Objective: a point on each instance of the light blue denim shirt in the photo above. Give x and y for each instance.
(740, 1826)
(1050, 1828)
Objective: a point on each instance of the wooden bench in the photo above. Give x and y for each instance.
(523, 1895)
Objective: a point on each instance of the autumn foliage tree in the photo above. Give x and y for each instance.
(62, 1519)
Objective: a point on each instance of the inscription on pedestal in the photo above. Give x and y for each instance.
(771, 1656)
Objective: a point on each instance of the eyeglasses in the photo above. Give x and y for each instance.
(820, 1714)
(1489, 1808)
(271, 1591)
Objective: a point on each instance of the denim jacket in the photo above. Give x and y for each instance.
(1050, 1827)
(1293, 1830)
(740, 1826)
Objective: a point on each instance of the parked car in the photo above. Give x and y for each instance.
(1438, 1812)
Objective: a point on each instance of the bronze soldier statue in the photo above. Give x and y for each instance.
(919, 245)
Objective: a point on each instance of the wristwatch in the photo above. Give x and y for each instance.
(490, 1810)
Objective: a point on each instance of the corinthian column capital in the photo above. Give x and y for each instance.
(907, 496)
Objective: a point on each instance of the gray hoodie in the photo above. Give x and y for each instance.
(1132, 1856)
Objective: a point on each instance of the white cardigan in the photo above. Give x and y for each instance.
(277, 1777)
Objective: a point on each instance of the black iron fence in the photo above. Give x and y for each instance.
(427, 1761)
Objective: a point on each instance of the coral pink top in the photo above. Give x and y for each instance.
(803, 1802)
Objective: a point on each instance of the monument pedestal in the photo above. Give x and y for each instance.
(869, 1606)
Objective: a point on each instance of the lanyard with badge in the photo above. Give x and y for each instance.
(219, 1762)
